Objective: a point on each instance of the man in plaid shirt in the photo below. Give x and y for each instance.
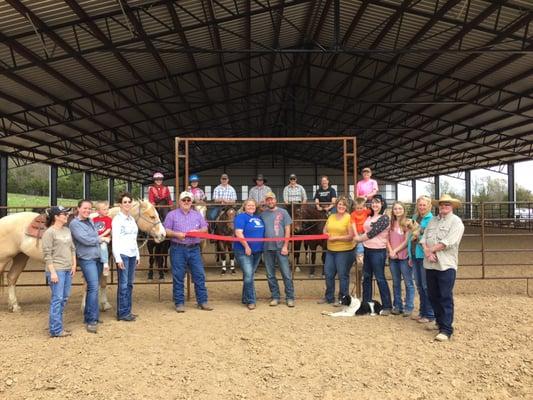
(223, 194)
(293, 192)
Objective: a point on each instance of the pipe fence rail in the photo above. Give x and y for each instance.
(487, 224)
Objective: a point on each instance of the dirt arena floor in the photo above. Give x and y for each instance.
(277, 352)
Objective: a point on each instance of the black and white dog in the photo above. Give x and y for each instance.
(352, 306)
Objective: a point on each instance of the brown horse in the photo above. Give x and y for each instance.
(224, 226)
(17, 247)
(307, 220)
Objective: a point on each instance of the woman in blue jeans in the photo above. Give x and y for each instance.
(248, 254)
(60, 262)
(126, 253)
(416, 259)
(375, 240)
(340, 253)
(397, 249)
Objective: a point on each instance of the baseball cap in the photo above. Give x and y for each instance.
(185, 194)
(224, 176)
(366, 169)
(56, 210)
(292, 176)
(270, 195)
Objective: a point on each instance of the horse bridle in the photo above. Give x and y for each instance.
(142, 217)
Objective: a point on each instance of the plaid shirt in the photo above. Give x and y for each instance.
(258, 193)
(294, 194)
(224, 193)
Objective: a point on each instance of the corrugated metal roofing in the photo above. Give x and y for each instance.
(409, 95)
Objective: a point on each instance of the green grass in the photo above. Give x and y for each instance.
(23, 202)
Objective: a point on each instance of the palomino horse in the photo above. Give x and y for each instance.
(158, 251)
(309, 221)
(18, 247)
(224, 226)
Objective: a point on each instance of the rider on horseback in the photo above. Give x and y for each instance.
(159, 194)
(199, 195)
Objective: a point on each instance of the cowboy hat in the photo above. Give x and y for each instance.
(260, 176)
(446, 198)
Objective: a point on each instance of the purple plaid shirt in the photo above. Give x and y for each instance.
(178, 221)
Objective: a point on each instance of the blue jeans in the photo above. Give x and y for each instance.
(400, 269)
(248, 265)
(126, 277)
(286, 273)
(374, 264)
(60, 294)
(440, 292)
(92, 269)
(212, 212)
(426, 311)
(338, 263)
(181, 258)
(104, 253)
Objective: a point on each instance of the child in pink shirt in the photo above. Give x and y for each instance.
(367, 187)
(398, 262)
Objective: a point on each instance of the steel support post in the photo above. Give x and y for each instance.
(86, 185)
(53, 185)
(111, 191)
(3, 184)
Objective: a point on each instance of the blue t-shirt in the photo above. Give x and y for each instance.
(252, 227)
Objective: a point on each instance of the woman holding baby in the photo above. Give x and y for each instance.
(375, 240)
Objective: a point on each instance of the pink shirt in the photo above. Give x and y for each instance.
(396, 238)
(380, 240)
(364, 188)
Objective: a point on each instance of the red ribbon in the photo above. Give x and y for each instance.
(205, 235)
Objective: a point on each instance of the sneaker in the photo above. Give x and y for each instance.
(290, 303)
(311, 276)
(432, 326)
(251, 306)
(415, 317)
(127, 318)
(150, 277)
(205, 307)
(180, 308)
(63, 334)
(337, 304)
(395, 311)
(423, 320)
(442, 337)
(385, 313)
(323, 301)
(91, 328)
(273, 303)
(407, 314)
(161, 277)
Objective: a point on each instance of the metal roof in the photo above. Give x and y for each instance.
(427, 86)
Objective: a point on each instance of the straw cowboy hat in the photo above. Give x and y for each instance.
(446, 198)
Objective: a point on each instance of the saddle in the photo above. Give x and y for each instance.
(37, 227)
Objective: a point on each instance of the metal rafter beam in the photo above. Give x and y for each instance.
(109, 18)
(97, 32)
(29, 55)
(209, 15)
(183, 37)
